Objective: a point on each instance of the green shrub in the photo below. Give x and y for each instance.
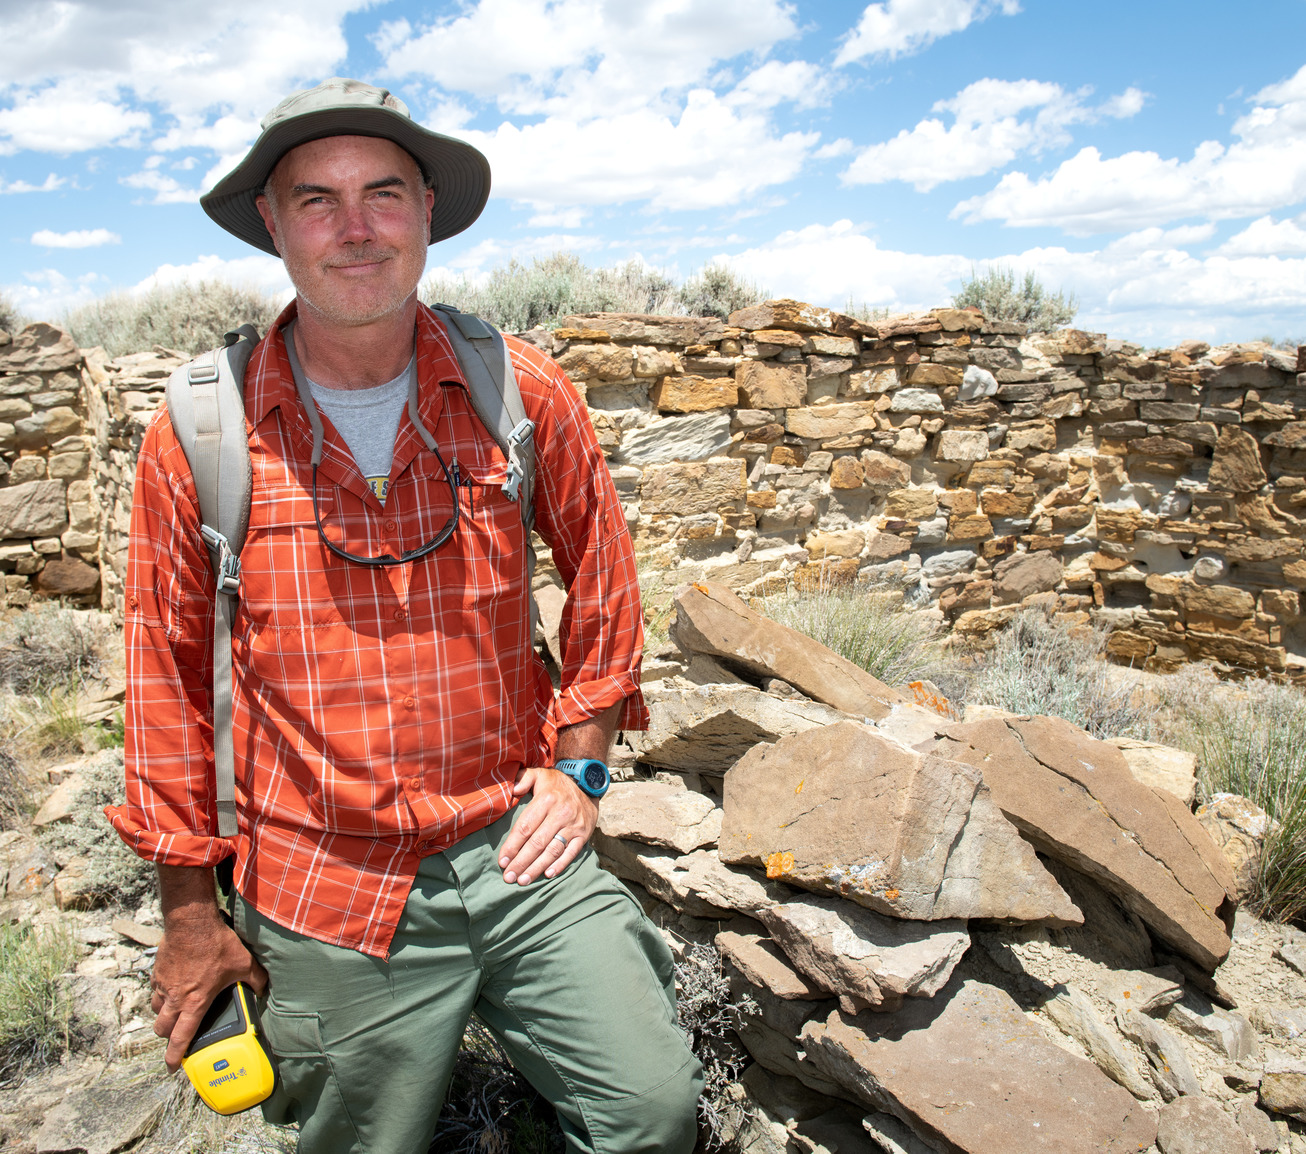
(35, 1007)
(11, 320)
(870, 626)
(718, 291)
(1040, 667)
(113, 873)
(51, 648)
(1252, 741)
(186, 317)
(519, 296)
(997, 295)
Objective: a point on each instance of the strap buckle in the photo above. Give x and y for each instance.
(227, 569)
(518, 439)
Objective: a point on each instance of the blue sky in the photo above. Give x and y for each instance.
(1149, 157)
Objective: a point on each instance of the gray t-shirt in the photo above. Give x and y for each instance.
(368, 419)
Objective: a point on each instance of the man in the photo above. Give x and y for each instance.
(405, 854)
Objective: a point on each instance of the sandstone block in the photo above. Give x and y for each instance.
(1238, 826)
(1283, 1087)
(707, 728)
(60, 805)
(644, 328)
(763, 963)
(699, 487)
(1076, 799)
(1217, 601)
(1024, 574)
(711, 619)
(929, 375)
(40, 348)
(763, 385)
(686, 394)
(998, 503)
(873, 382)
(696, 437)
(34, 509)
(977, 383)
(864, 958)
(825, 422)
(1035, 436)
(1227, 1033)
(968, 1072)
(962, 445)
(1074, 1014)
(912, 504)
(883, 474)
(68, 577)
(1172, 1072)
(846, 810)
(658, 813)
(843, 543)
(1196, 1125)
(798, 316)
(660, 871)
(916, 401)
(599, 362)
(846, 473)
(1160, 766)
(1236, 465)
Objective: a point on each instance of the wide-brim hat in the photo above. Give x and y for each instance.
(458, 172)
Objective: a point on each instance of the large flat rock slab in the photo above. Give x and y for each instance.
(1076, 799)
(969, 1073)
(660, 813)
(867, 960)
(712, 619)
(848, 811)
(707, 728)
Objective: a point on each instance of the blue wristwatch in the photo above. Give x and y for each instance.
(588, 773)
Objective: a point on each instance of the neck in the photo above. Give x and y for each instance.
(355, 356)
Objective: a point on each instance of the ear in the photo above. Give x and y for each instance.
(265, 211)
(430, 204)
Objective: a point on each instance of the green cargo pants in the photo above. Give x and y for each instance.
(567, 972)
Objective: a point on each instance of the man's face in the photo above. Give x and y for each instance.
(351, 219)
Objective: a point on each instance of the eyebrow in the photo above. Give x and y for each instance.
(320, 189)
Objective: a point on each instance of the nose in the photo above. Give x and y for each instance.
(355, 223)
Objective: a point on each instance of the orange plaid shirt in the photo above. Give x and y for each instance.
(380, 714)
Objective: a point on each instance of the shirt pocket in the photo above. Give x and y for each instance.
(287, 579)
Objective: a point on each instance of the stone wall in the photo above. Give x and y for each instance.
(1154, 491)
(49, 519)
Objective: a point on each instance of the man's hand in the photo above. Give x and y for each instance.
(200, 956)
(554, 829)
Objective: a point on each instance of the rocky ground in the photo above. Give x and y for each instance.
(958, 935)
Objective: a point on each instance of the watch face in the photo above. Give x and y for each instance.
(595, 776)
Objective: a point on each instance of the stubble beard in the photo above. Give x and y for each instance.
(350, 305)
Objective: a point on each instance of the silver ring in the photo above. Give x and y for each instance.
(559, 837)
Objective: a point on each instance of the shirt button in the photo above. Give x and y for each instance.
(410, 703)
(134, 601)
(400, 614)
(389, 526)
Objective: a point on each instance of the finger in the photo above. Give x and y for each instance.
(179, 1040)
(256, 978)
(539, 852)
(527, 827)
(524, 784)
(569, 854)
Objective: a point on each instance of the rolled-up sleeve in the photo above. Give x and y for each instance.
(579, 516)
(169, 815)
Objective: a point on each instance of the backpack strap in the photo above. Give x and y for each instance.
(206, 404)
(495, 397)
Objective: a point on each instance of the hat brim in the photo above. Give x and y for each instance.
(460, 172)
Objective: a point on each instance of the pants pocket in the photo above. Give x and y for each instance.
(307, 1091)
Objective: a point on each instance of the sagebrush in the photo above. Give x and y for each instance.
(1252, 741)
(870, 626)
(520, 296)
(1039, 666)
(11, 320)
(1002, 296)
(51, 648)
(188, 317)
(36, 1009)
(112, 872)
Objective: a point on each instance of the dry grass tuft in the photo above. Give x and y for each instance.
(36, 1009)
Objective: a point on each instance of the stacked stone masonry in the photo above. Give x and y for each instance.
(1156, 492)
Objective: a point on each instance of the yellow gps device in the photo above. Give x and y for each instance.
(227, 1062)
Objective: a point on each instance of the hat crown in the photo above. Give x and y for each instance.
(338, 92)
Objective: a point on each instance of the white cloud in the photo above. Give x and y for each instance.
(69, 116)
(1145, 286)
(1263, 169)
(903, 27)
(87, 69)
(476, 263)
(583, 58)
(796, 82)
(166, 189)
(49, 184)
(78, 238)
(46, 294)
(987, 132)
(266, 273)
(710, 157)
(1266, 236)
(559, 218)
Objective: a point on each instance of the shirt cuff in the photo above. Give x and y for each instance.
(171, 849)
(585, 699)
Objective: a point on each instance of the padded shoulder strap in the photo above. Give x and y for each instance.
(206, 404)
